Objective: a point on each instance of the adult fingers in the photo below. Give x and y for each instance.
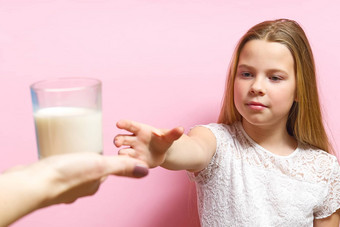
(126, 166)
(78, 191)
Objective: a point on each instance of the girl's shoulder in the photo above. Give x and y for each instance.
(326, 171)
(229, 141)
(324, 166)
(317, 156)
(223, 130)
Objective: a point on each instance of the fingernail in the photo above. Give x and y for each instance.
(140, 171)
(157, 132)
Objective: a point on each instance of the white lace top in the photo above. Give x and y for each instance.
(246, 185)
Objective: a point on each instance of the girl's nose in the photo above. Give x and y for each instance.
(257, 88)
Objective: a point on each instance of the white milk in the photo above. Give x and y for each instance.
(68, 129)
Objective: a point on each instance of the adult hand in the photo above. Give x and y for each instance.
(59, 179)
(80, 174)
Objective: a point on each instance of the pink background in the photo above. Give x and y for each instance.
(162, 63)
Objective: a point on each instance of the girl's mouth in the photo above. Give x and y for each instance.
(256, 105)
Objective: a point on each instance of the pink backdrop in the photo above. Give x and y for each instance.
(161, 62)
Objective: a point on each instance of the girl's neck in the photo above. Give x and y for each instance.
(273, 138)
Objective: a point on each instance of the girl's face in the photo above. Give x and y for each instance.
(264, 87)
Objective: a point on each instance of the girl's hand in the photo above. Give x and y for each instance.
(146, 143)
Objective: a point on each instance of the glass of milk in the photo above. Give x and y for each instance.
(67, 115)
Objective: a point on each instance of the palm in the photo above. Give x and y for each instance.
(146, 143)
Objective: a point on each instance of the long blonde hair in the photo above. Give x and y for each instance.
(305, 119)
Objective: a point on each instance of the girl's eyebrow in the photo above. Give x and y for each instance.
(245, 66)
(269, 70)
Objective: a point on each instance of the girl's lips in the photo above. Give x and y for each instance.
(256, 105)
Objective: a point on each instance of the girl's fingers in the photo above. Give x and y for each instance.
(169, 135)
(174, 134)
(157, 132)
(131, 126)
(124, 140)
(128, 152)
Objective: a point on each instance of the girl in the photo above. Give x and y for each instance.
(266, 162)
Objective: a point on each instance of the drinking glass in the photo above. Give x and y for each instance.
(67, 115)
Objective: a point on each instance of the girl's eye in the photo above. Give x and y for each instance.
(246, 74)
(275, 78)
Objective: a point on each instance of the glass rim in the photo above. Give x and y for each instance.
(89, 82)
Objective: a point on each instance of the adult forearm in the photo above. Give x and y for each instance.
(59, 179)
(20, 194)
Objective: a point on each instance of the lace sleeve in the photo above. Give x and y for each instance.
(332, 200)
(206, 174)
(198, 176)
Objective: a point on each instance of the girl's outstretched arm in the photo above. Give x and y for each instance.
(169, 148)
